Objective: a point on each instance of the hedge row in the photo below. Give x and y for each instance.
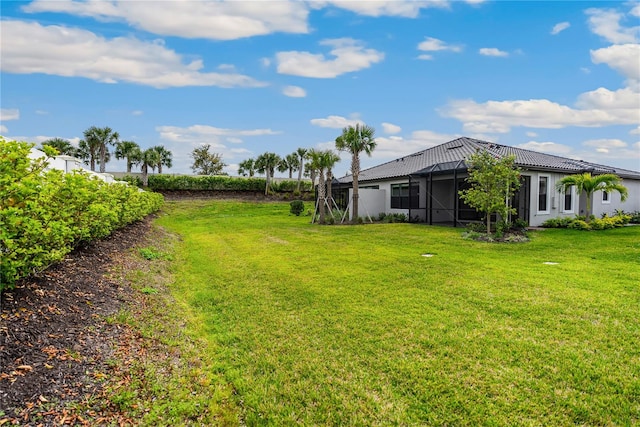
(45, 214)
(579, 223)
(216, 183)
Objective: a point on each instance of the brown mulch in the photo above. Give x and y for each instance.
(56, 340)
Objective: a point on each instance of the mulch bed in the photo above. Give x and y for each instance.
(56, 342)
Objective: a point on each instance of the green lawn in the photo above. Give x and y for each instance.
(352, 325)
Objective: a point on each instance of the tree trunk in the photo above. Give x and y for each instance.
(92, 161)
(588, 207)
(355, 171)
(300, 171)
(103, 156)
(159, 168)
(321, 196)
(268, 180)
(128, 167)
(145, 176)
(329, 189)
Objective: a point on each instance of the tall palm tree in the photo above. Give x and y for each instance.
(130, 151)
(332, 159)
(88, 152)
(355, 140)
(148, 159)
(322, 161)
(165, 157)
(266, 163)
(247, 167)
(302, 155)
(101, 138)
(587, 183)
(63, 146)
(289, 163)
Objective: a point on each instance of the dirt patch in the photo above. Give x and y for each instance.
(56, 340)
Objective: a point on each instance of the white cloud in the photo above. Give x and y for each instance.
(182, 140)
(397, 146)
(7, 114)
(598, 108)
(547, 147)
(606, 23)
(73, 52)
(431, 44)
(137, 112)
(605, 145)
(294, 91)
(635, 131)
(335, 122)
(624, 58)
(207, 19)
(559, 27)
(349, 55)
(390, 128)
(425, 57)
(3, 129)
(492, 51)
(266, 62)
(635, 10)
(403, 8)
(531, 134)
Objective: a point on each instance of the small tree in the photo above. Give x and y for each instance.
(130, 151)
(205, 162)
(266, 163)
(493, 182)
(302, 155)
(63, 146)
(247, 167)
(588, 184)
(149, 158)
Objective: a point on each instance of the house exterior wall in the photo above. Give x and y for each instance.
(370, 202)
(555, 198)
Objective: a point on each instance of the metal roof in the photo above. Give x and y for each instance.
(451, 155)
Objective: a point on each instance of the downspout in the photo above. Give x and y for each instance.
(409, 219)
(430, 198)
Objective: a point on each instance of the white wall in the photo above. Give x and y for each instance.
(370, 202)
(555, 200)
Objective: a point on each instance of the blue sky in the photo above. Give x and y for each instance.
(255, 76)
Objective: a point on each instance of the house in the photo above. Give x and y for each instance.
(68, 164)
(425, 185)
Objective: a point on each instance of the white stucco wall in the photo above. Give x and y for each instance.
(370, 202)
(555, 200)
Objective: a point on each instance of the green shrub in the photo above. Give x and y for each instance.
(297, 207)
(45, 214)
(578, 224)
(220, 183)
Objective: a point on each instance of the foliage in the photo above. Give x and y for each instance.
(247, 167)
(216, 183)
(493, 182)
(63, 146)
(266, 164)
(302, 155)
(321, 161)
(305, 335)
(44, 215)
(97, 141)
(165, 157)
(587, 183)
(607, 222)
(355, 140)
(148, 159)
(297, 207)
(206, 162)
(130, 151)
(289, 163)
(392, 217)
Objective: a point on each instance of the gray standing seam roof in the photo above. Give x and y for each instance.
(452, 153)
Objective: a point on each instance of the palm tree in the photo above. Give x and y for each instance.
(63, 146)
(289, 163)
(332, 159)
(587, 183)
(165, 157)
(266, 163)
(149, 158)
(130, 151)
(247, 167)
(100, 138)
(321, 161)
(302, 155)
(355, 140)
(88, 152)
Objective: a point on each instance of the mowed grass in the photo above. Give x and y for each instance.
(352, 325)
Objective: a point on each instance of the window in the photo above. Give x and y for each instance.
(605, 197)
(404, 196)
(568, 200)
(543, 194)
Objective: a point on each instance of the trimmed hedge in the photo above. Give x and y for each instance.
(45, 214)
(216, 183)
